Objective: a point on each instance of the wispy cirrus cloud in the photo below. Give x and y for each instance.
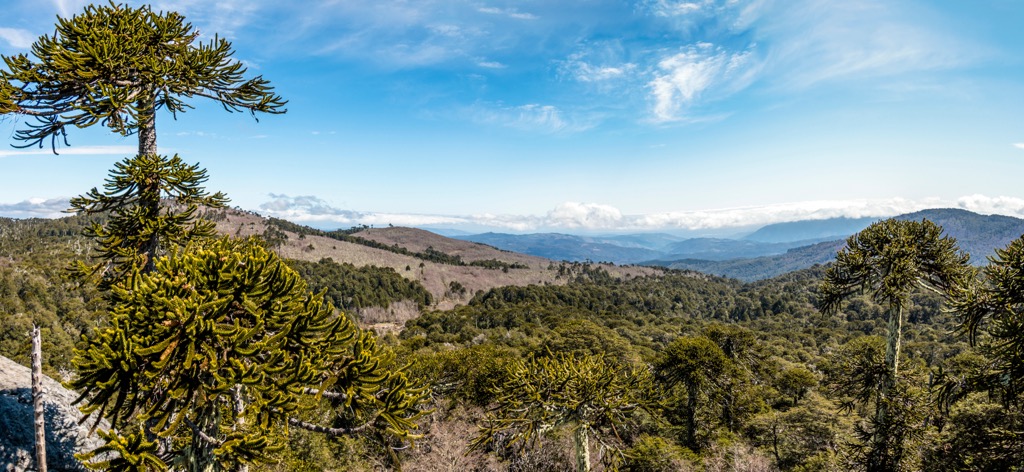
(532, 117)
(687, 76)
(819, 41)
(509, 12)
(73, 151)
(17, 38)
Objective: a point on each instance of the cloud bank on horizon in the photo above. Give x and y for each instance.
(586, 217)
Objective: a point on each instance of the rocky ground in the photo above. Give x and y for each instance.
(64, 435)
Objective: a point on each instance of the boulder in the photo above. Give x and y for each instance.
(64, 435)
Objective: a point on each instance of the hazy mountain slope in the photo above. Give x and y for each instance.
(717, 249)
(749, 269)
(978, 235)
(566, 247)
(820, 230)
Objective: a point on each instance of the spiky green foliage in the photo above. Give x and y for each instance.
(699, 365)
(992, 312)
(596, 397)
(117, 66)
(139, 225)
(131, 452)
(889, 259)
(222, 347)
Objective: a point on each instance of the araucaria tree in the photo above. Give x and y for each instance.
(118, 66)
(219, 349)
(589, 394)
(215, 349)
(888, 260)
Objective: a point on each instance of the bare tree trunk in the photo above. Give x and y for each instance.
(582, 443)
(151, 189)
(892, 363)
(239, 419)
(37, 398)
(147, 130)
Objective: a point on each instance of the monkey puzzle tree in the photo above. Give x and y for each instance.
(888, 260)
(995, 306)
(696, 363)
(117, 66)
(219, 350)
(588, 393)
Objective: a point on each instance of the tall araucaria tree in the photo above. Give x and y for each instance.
(888, 260)
(117, 66)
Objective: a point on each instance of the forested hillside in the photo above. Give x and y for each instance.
(777, 393)
(205, 339)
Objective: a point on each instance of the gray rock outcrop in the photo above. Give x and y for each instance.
(64, 436)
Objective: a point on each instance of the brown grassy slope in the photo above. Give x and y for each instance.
(418, 240)
(434, 277)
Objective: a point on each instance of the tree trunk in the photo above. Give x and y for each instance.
(150, 194)
(147, 130)
(582, 442)
(892, 359)
(239, 419)
(892, 348)
(37, 398)
(691, 416)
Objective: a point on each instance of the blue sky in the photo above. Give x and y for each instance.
(572, 116)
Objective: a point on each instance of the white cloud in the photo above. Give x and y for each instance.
(587, 72)
(17, 38)
(1018, 145)
(73, 151)
(509, 12)
(1009, 206)
(684, 77)
(821, 40)
(584, 215)
(532, 117)
(491, 65)
(35, 208)
(670, 8)
(599, 217)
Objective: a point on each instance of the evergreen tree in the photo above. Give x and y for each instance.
(696, 363)
(995, 307)
(587, 392)
(138, 226)
(118, 66)
(889, 259)
(220, 348)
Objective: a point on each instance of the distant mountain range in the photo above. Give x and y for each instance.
(769, 251)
